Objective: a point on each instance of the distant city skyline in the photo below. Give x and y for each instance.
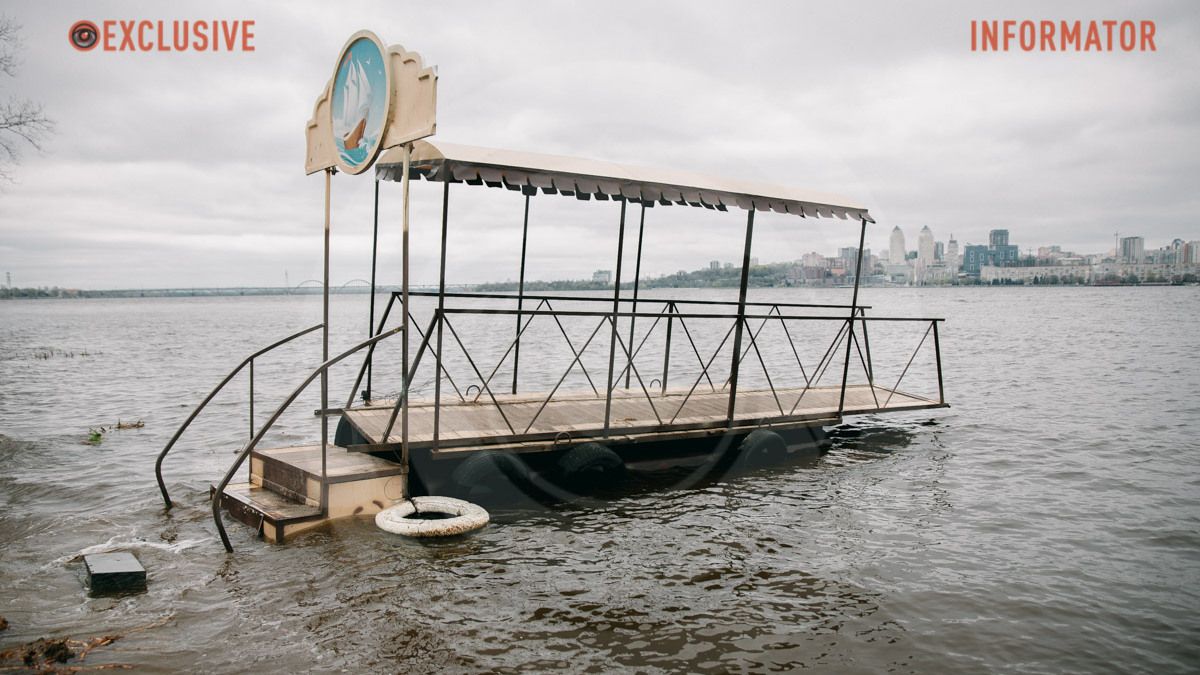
(1023, 250)
(935, 262)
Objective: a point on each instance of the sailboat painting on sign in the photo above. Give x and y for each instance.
(360, 100)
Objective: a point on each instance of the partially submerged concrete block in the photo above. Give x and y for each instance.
(118, 571)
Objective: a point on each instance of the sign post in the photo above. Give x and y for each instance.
(379, 97)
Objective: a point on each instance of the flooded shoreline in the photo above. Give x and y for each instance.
(1044, 523)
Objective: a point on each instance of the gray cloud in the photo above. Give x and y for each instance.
(187, 169)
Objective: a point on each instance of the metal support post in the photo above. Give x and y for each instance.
(437, 380)
(741, 317)
(667, 347)
(637, 275)
(862, 236)
(325, 355)
(528, 192)
(937, 350)
(404, 322)
(612, 340)
(371, 323)
(867, 345)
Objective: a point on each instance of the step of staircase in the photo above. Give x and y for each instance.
(279, 471)
(265, 510)
(283, 495)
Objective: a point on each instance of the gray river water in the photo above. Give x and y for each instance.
(1048, 522)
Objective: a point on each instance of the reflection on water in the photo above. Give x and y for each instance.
(1047, 522)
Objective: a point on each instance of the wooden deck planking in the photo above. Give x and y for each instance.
(481, 422)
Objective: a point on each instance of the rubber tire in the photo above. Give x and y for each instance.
(807, 442)
(591, 465)
(489, 475)
(346, 434)
(762, 446)
(467, 517)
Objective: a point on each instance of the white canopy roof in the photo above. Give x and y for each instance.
(587, 178)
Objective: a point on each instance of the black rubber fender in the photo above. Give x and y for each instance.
(591, 464)
(346, 434)
(762, 446)
(490, 474)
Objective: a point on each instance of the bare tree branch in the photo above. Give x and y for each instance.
(10, 43)
(22, 122)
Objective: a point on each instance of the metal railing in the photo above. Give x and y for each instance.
(546, 300)
(254, 441)
(248, 361)
(852, 334)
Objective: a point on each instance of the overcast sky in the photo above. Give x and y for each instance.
(188, 169)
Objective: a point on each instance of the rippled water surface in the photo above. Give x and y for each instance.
(1048, 522)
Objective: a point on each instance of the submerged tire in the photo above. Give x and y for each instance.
(762, 446)
(491, 475)
(464, 517)
(591, 464)
(346, 434)
(807, 442)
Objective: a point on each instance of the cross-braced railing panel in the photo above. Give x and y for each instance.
(672, 368)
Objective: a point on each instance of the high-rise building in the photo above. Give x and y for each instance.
(1191, 253)
(939, 251)
(952, 260)
(896, 251)
(1167, 255)
(925, 254)
(849, 258)
(1177, 251)
(714, 265)
(1133, 249)
(925, 247)
(997, 238)
(1005, 255)
(814, 259)
(974, 257)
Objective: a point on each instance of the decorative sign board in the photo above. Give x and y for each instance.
(362, 95)
(377, 98)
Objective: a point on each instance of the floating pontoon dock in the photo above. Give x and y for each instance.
(510, 421)
(626, 376)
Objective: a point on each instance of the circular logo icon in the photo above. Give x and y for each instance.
(83, 35)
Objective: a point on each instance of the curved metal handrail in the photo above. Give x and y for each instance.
(170, 444)
(245, 452)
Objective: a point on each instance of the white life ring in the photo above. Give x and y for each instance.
(466, 517)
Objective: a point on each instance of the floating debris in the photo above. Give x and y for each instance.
(96, 434)
(51, 655)
(119, 571)
(47, 353)
(45, 654)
